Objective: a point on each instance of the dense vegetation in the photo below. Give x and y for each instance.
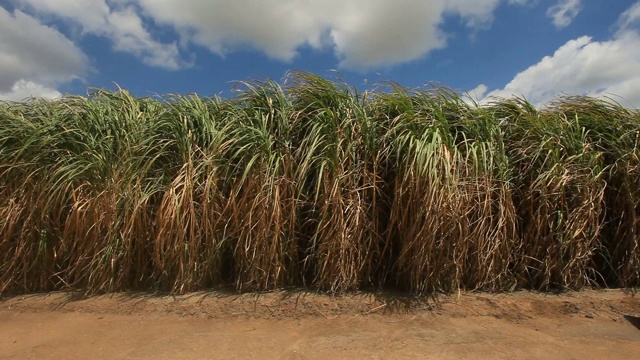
(314, 184)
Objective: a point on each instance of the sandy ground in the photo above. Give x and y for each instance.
(294, 325)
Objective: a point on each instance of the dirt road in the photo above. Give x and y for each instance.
(286, 325)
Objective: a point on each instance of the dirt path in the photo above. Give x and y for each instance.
(582, 325)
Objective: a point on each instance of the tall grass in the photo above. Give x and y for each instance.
(313, 183)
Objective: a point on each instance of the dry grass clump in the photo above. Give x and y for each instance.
(316, 184)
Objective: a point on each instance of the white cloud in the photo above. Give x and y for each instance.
(24, 89)
(475, 95)
(35, 58)
(363, 34)
(131, 37)
(564, 12)
(583, 66)
(629, 18)
(477, 14)
(116, 20)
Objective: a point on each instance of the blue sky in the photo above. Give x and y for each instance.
(533, 48)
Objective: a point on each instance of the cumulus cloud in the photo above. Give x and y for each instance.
(564, 12)
(116, 20)
(583, 66)
(363, 34)
(476, 95)
(24, 89)
(35, 58)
